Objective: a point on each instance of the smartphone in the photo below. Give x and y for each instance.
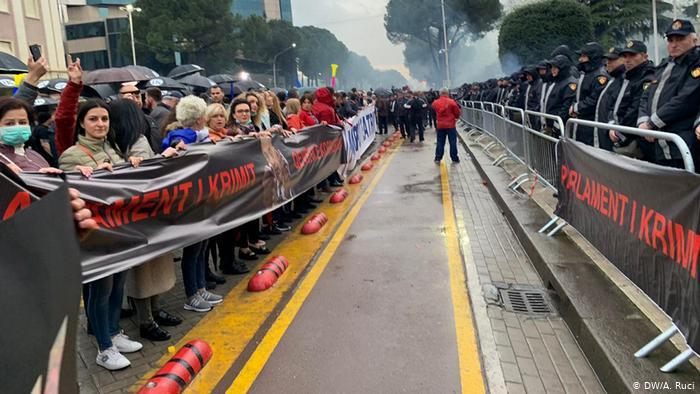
(35, 50)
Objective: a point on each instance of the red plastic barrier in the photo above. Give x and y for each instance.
(367, 167)
(355, 179)
(376, 157)
(315, 223)
(180, 370)
(339, 196)
(382, 149)
(268, 274)
(387, 143)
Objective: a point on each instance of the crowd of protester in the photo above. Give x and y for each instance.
(142, 124)
(620, 86)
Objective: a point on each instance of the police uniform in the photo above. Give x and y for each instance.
(561, 93)
(672, 100)
(547, 80)
(591, 83)
(626, 109)
(531, 96)
(606, 102)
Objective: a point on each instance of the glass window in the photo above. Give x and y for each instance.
(85, 30)
(118, 58)
(92, 60)
(31, 8)
(117, 25)
(248, 7)
(286, 10)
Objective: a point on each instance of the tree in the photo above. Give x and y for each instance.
(201, 30)
(418, 24)
(616, 21)
(530, 33)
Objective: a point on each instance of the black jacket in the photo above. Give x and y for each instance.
(677, 100)
(561, 93)
(590, 84)
(638, 80)
(417, 108)
(604, 108)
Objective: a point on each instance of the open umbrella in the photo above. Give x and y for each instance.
(230, 89)
(114, 75)
(197, 82)
(151, 73)
(11, 65)
(52, 86)
(222, 78)
(45, 102)
(101, 91)
(381, 92)
(185, 70)
(249, 84)
(7, 82)
(164, 83)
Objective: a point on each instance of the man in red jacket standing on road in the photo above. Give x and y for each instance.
(447, 112)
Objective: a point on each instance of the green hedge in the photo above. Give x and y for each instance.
(530, 33)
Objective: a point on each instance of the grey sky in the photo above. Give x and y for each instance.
(359, 24)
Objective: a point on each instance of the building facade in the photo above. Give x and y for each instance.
(268, 9)
(27, 22)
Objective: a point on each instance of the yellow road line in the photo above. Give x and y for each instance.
(230, 327)
(262, 353)
(470, 374)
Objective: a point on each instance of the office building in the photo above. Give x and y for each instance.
(27, 22)
(268, 9)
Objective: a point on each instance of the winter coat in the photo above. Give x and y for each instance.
(447, 112)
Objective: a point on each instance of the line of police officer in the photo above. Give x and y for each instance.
(620, 86)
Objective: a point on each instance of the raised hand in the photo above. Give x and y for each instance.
(37, 69)
(75, 70)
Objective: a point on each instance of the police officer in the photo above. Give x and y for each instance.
(417, 108)
(561, 93)
(545, 73)
(531, 95)
(672, 100)
(566, 51)
(591, 82)
(400, 113)
(638, 76)
(615, 66)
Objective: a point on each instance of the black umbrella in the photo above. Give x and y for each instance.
(45, 102)
(7, 82)
(230, 89)
(185, 70)
(165, 83)
(52, 86)
(381, 92)
(222, 78)
(151, 73)
(114, 75)
(197, 82)
(249, 84)
(11, 65)
(101, 91)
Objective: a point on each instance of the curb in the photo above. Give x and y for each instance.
(608, 327)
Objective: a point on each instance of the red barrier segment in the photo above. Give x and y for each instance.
(180, 370)
(314, 224)
(268, 274)
(376, 157)
(367, 167)
(387, 143)
(339, 196)
(355, 179)
(382, 149)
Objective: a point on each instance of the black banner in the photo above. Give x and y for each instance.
(644, 218)
(40, 280)
(166, 204)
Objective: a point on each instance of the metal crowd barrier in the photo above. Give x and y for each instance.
(511, 128)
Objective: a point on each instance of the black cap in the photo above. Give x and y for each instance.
(634, 47)
(612, 54)
(680, 27)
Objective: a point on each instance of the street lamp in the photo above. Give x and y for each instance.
(274, 63)
(129, 10)
(447, 56)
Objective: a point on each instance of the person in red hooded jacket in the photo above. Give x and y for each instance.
(447, 112)
(324, 108)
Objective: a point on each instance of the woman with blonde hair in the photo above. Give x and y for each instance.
(273, 106)
(217, 117)
(293, 109)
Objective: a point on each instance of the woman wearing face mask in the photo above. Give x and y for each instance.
(96, 149)
(15, 130)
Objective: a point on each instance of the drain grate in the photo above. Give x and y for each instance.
(525, 301)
